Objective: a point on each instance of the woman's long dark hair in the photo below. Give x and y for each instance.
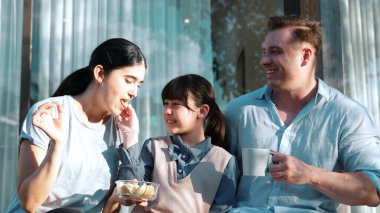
(203, 93)
(112, 54)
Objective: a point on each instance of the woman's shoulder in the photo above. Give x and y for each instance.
(63, 100)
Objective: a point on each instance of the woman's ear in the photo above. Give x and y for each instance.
(98, 74)
(203, 111)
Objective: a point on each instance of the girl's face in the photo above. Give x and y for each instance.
(120, 86)
(179, 119)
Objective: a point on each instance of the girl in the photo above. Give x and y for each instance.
(195, 174)
(68, 144)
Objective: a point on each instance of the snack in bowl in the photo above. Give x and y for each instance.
(149, 191)
(127, 189)
(133, 189)
(139, 190)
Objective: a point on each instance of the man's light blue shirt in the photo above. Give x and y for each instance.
(332, 132)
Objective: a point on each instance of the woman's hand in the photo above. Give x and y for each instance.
(129, 126)
(49, 118)
(128, 121)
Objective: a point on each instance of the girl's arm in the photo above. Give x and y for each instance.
(137, 163)
(225, 196)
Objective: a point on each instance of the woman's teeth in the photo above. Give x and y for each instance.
(125, 103)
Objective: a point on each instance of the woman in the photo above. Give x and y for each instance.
(68, 144)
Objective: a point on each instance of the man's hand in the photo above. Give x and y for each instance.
(289, 169)
(350, 188)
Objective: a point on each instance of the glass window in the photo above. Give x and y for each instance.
(10, 66)
(238, 31)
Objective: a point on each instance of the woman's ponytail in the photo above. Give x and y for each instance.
(75, 83)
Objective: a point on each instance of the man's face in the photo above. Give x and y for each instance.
(282, 60)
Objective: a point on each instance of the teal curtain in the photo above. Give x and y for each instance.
(360, 39)
(10, 66)
(361, 53)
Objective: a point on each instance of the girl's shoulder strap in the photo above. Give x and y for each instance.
(163, 141)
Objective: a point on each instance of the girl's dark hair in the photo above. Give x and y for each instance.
(112, 54)
(203, 93)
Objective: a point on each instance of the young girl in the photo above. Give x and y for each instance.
(69, 144)
(195, 174)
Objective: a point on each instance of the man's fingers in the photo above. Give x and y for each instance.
(276, 168)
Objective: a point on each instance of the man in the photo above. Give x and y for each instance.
(326, 150)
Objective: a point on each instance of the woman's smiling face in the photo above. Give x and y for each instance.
(120, 86)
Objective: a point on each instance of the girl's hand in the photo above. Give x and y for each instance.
(114, 201)
(129, 126)
(49, 118)
(126, 202)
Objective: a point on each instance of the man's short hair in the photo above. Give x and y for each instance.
(306, 30)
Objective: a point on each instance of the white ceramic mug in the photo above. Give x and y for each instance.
(255, 161)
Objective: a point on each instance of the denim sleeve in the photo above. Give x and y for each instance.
(146, 157)
(130, 167)
(135, 160)
(225, 195)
